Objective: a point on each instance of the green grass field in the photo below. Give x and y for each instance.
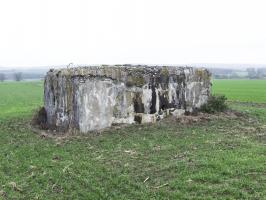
(20, 99)
(242, 90)
(217, 159)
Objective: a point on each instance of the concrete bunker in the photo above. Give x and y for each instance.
(95, 97)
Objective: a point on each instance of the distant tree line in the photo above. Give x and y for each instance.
(250, 73)
(2, 77)
(256, 73)
(17, 76)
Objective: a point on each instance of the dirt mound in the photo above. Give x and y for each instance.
(206, 117)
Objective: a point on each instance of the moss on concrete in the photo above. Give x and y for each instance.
(203, 74)
(135, 81)
(94, 97)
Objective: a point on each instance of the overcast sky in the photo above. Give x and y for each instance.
(55, 32)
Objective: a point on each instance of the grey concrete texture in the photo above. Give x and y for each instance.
(95, 97)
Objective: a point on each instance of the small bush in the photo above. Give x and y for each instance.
(40, 118)
(215, 104)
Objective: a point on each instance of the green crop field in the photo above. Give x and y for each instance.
(241, 90)
(222, 158)
(20, 99)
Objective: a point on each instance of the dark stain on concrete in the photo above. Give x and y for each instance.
(138, 105)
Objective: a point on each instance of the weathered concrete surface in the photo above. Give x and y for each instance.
(95, 97)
